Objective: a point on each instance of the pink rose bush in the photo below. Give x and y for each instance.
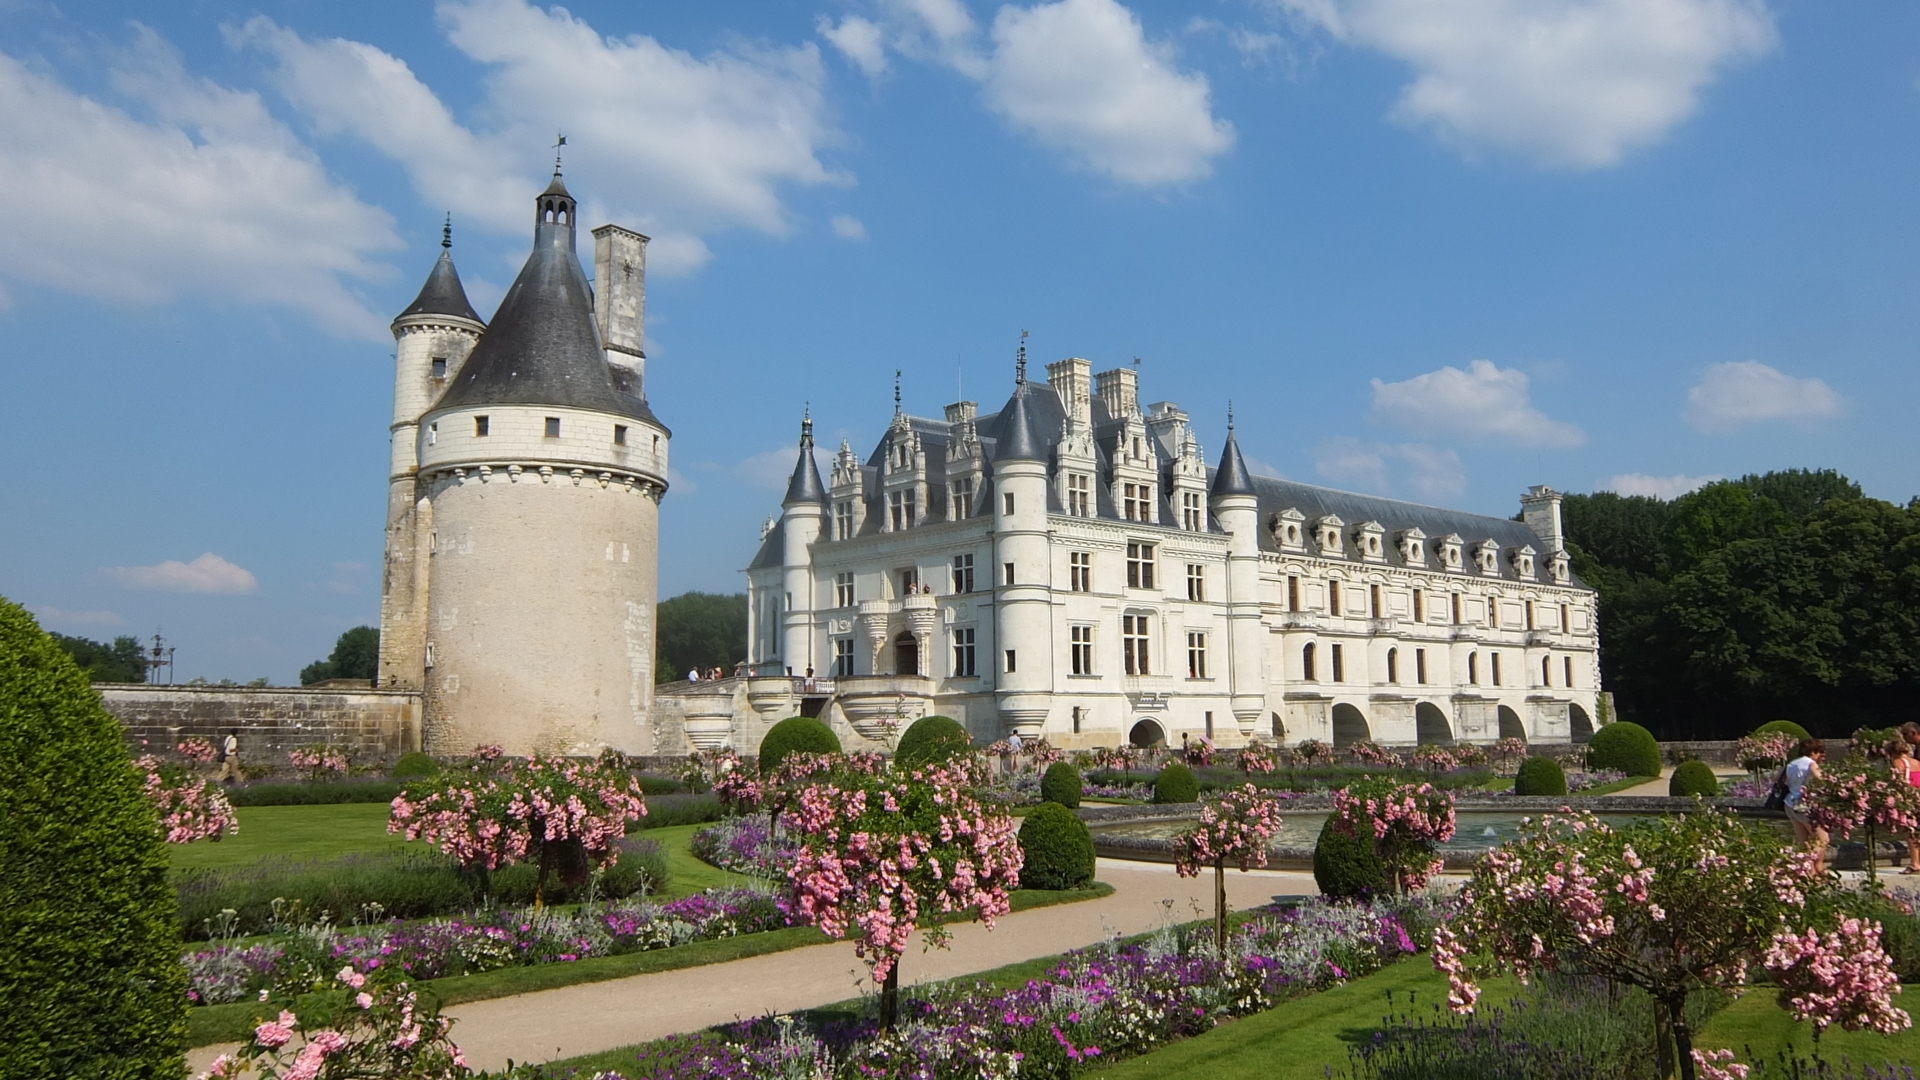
(567, 815)
(1507, 754)
(1760, 753)
(1851, 797)
(1407, 823)
(319, 761)
(198, 750)
(1669, 905)
(1232, 828)
(191, 808)
(1312, 750)
(1367, 752)
(1255, 759)
(360, 1026)
(884, 850)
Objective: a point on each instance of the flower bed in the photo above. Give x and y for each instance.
(481, 941)
(746, 845)
(1095, 1006)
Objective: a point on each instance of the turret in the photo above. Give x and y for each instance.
(1236, 506)
(802, 515)
(1023, 560)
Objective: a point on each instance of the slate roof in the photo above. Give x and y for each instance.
(442, 294)
(1232, 477)
(804, 485)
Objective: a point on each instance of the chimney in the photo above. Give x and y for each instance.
(1540, 509)
(1119, 391)
(620, 304)
(1072, 382)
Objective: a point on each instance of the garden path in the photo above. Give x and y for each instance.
(593, 1017)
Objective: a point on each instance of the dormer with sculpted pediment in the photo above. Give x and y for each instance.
(1289, 529)
(1136, 470)
(1486, 557)
(1522, 559)
(1558, 568)
(848, 494)
(903, 474)
(1186, 476)
(1451, 548)
(1413, 547)
(966, 477)
(1369, 540)
(1327, 531)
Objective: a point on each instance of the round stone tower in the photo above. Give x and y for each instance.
(540, 473)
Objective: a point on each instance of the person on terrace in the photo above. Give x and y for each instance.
(1805, 766)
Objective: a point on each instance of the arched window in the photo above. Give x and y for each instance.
(1473, 668)
(1393, 665)
(1546, 671)
(1306, 662)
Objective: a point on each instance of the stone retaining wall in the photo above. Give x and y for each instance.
(373, 726)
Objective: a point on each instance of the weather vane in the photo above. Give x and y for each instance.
(1020, 362)
(556, 152)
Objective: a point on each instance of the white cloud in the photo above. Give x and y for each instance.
(1078, 76)
(207, 574)
(772, 469)
(848, 228)
(1484, 402)
(1746, 392)
(191, 189)
(1569, 83)
(658, 138)
(50, 614)
(1262, 468)
(1659, 487)
(1424, 472)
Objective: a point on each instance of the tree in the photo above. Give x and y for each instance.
(1405, 822)
(356, 655)
(700, 630)
(122, 661)
(1233, 828)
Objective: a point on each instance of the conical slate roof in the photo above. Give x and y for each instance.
(805, 485)
(1232, 477)
(443, 293)
(1018, 438)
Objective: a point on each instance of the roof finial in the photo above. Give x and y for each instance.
(446, 232)
(1229, 416)
(1020, 362)
(556, 153)
(806, 426)
(896, 392)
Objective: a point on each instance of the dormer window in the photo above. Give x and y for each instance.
(1286, 527)
(1523, 561)
(1137, 502)
(1367, 537)
(1486, 556)
(1450, 553)
(1413, 547)
(439, 367)
(1327, 535)
(1557, 566)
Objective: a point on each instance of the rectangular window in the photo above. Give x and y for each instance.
(1339, 663)
(962, 499)
(1567, 664)
(843, 521)
(1334, 598)
(1530, 624)
(909, 580)
(1493, 612)
(619, 434)
(1006, 576)
(1196, 654)
(1193, 512)
(1293, 594)
(439, 367)
(900, 507)
(553, 427)
(1373, 597)
(1006, 504)
(1079, 494)
(1010, 662)
(1566, 619)
(843, 589)
(1456, 609)
(1419, 605)
(479, 427)
(1209, 727)
(1081, 638)
(962, 573)
(842, 657)
(1136, 503)
(1420, 666)
(1196, 581)
(1139, 566)
(1133, 644)
(433, 434)
(963, 667)
(1080, 571)
(1496, 669)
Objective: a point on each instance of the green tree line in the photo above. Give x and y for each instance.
(1784, 595)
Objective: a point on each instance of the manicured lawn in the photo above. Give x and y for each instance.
(1756, 1022)
(687, 874)
(300, 832)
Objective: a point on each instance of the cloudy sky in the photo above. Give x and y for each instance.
(1438, 249)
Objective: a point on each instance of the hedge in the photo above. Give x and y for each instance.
(1693, 778)
(796, 734)
(1626, 747)
(92, 979)
(1061, 784)
(1058, 849)
(1176, 784)
(413, 764)
(1346, 867)
(932, 740)
(1787, 726)
(1540, 776)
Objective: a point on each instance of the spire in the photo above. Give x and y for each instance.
(1020, 361)
(1018, 438)
(1232, 477)
(443, 294)
(805, 485)
(896, 393)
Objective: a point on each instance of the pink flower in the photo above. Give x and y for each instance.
(272, 1034)
(363, 999)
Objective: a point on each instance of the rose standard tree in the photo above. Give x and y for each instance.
(1407, 823)
(566, 815)
(190, 806)
(887, 851)
(1233, 828)
(1669, 905)
(1857, 798)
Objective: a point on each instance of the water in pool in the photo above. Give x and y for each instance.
(1473, 830)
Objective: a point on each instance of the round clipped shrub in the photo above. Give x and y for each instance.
(1626, 747)
(1347, 867)
(415, 764)
(1061, 785)
(1787, 726)
(1540, 776)
(87, 913)
(932, 740)
(796, 734)
(1176, 784)
(1058, 849)
(1693, 778)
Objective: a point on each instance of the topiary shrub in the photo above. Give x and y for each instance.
(1693, 778)
(1176, 784)
(1625, 746)
(932, 740)
(86, 908)
(796, 733)
(415, 764)
(1787, 726)
(1058, 849)
(1347, 867)
(1061, 785)
(1540, 776)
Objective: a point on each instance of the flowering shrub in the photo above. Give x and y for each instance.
(1436, 759)
(1312, 750)
(1367, 752)
(1854, 797)
(199, 750)
(568, 816)
(1093, 1008)
(1761, 752)
(1197, 752)
(1255, 759)
(1507, 755)
(1406, 821)
(882, 850)
(1668, 905)
(360, 1027)
(1232, 828)
(746, 845)
(1117, 758)
(191, 808)
(318, 761)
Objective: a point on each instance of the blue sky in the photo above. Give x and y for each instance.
(1438, 249)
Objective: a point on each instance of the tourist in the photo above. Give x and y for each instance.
(693, 674)
(811, 685)
(1904, 756)
(1802, 768)
(230, 758)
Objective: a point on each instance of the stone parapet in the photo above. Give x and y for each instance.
(373, 726)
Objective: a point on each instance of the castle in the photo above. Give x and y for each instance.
(1069, 567)
(523, 509)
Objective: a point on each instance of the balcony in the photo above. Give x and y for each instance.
(879, 706)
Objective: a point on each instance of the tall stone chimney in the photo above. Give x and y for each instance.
(1540, 508)
(620, 304)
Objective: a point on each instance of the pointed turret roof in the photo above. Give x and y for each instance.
(443, 293)
(805, 485)
(1232, 477)
(1018, 437)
